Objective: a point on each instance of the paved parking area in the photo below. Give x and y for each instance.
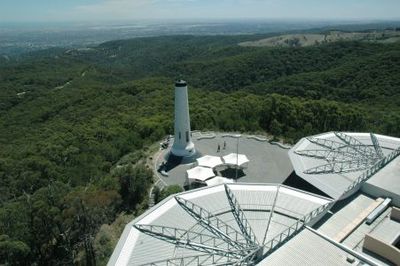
(269, 163)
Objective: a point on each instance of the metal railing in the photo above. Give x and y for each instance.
(276, 241)
(240, 217)
(373, 170)
(207, 259)
(279, 239)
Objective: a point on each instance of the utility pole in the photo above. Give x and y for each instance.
(237, 155)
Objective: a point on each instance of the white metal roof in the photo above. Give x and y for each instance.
(345, 215)
(256, 201)
(307, 248)
(335, 184)
(388, 180)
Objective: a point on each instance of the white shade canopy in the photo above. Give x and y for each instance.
(200, 173)
(218, 180)
(235, 159)
(209, 161)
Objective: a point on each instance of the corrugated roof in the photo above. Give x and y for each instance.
(356, 238)
(388, 177)
(346, 211)
(255, 201)
(334, 184)
(345, 215)
(388, 230)
(307, 248)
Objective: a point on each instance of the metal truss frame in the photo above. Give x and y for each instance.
(329, 155)
(292, 230)
(355, 144)
(271, 213)
(240, 218)
(378, 148)
(250, 258)
(326, 143)
(349, 155)
(341, 167)
(191, 240)
(372, 170)
(222, 245)
(213, 224)
(206, 260)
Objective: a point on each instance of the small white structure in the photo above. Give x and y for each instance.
(218, 180)
(209, 161)
(183, 145)
(199, 173)
(236, 160)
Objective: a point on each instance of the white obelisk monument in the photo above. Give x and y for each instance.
(183, 145)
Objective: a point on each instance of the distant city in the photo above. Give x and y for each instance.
(17, 38)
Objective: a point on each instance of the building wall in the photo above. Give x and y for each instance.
(380, 192)
(385, 250)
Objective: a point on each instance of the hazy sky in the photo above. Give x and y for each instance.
(99, 10)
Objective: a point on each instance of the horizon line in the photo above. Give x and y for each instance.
(208, 19)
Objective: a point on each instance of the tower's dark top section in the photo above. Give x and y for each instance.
(180, 83)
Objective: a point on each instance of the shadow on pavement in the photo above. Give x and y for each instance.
(231, 173)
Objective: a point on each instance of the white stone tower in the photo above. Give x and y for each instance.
(183, 145)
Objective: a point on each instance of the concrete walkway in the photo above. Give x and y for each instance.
(268, 163)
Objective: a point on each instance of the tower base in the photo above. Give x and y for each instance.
(187, 151)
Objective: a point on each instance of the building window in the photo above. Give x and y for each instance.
(187, 136)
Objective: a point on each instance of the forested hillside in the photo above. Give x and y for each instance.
(67, 117)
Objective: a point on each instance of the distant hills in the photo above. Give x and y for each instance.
(22, 37)
(310, 39)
